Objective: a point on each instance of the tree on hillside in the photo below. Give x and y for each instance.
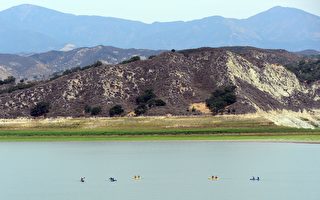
(156, 103)
(87, 109)
(147, 100)
(96, 110)
(140, 110)
(40, 109)
(147, 96)
(221, 98)
(116, 110)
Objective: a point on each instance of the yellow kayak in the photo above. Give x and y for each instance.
(213, 178)
(136, 178)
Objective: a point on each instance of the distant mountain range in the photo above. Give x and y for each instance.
(308, 52)
(29, 28)
(39, 66)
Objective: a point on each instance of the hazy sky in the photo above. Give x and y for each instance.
(166, 10)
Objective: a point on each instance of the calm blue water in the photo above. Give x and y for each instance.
(169, 170)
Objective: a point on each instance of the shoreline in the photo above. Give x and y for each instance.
(200, 128)
(299, 139)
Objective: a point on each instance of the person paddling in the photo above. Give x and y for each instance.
(82, 179)
(112, 179)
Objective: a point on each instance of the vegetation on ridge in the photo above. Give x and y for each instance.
(306, 70)
(75, 69)
(8, 80)
(19, 86)
(133, 59)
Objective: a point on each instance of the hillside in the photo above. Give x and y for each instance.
(180, 79)
(308, 52)
(36, 29)
(44, 64)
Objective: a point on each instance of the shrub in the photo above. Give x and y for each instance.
(159, 102)
(40, 109)
(221, 98)
(8, 80)
(151, 103)
(152, 56)
(133, 59)
(19, 86)
(116, 110)
(96, 64)
(140, 110)
(87, 109)
(147, 99)
(72, 70)
(75, 69)
(96, 110)
(147, 96)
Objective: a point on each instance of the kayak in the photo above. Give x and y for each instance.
(136, 178)
(213, 179)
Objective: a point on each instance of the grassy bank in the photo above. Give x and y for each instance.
(152, 128)
(244, 138)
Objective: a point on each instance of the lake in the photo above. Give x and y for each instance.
(169, 171)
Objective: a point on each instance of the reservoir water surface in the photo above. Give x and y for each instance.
(169, 171)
